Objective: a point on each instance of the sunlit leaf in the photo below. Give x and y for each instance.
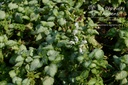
(61, 21)
(17, 80)
(121, 75)
(35, 64)
(26, 81)
(48, 81)
(12, 5)
(12, 73)
(51, 70)
(2, 14)
(39, 37)
(92, 81)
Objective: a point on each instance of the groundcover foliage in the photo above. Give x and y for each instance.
(58, 42)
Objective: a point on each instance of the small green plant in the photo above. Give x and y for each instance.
(59, 42)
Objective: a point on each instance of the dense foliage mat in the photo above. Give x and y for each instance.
(63, 42)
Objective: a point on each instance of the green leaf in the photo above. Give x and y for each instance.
(121, 20)
(12, 73)
(92, 32)
(55, 12)
(80, 58)
(100, 8)
(92, 41)
(47, 24)
(33, 2)
(26, 17)
(34, 17)
(112, 32)
(12, 5)
(26, 81)
(79, 4)
(99, 54)
(23, 47)
(2, 45)
(87, 64)
(2, 14)
(40, 29)
(51, 70)
(125, 59)
(119, 1)
(61, 21)
(116, 59)
(18, 17)
(50, 24)
(4, 82)
(126, 42)
(11, 43)
(19, 64)
(91, 23)
(52, 54)
(121, 75)
(124, 81)
(45, 1)
(1, 56)
(17, 80)
(106, 13)
(49, 39)
(21, 9)
(85, 74)
(48, 81)
(92, 81)
(93, 65)
(39, 37)
(29, 59)
(51, 18)
(35, 64)
(19, 58)
(122, 66)
(94, 71)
